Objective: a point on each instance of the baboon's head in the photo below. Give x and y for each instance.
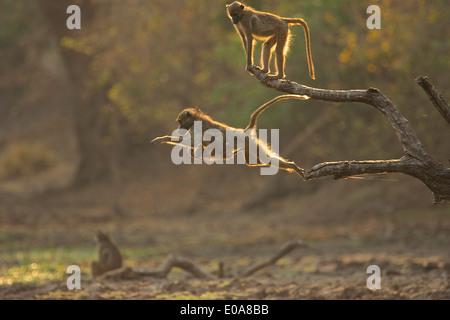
(235, 11)
(101, 237)
(187, 117)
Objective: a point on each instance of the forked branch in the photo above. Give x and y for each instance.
(172, 261)
(416, 162)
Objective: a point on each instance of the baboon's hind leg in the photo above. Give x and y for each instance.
(281, 51)
(283, 164)
(292, 167)
(266, 54)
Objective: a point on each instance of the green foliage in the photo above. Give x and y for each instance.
(13, 27)
(155, 58)
(23, 159)
(40, 264)
(31, 264)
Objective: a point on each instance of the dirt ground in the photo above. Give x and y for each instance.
(348, 226)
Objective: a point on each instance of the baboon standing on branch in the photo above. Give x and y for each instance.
(250, 24)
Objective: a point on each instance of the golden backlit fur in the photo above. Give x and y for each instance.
(186, 120)
(271, 28)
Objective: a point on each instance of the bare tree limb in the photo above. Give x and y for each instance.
(417, 162)
(436, 98)
(172, 261)
(345, 169)
(285, 249)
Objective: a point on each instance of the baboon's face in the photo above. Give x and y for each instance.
(186, 119)
(235, 11)
(101, 237)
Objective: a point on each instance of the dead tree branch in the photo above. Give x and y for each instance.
(436, 98)
(287, 248)
(416, 162)
(172, 261)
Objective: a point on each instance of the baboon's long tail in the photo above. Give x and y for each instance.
(255, 115)
(293, 21)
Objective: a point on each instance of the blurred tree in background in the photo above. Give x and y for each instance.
(135, 64)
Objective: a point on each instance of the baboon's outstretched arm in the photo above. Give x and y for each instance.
(168, 140)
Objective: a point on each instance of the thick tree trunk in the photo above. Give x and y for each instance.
(87, 102)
